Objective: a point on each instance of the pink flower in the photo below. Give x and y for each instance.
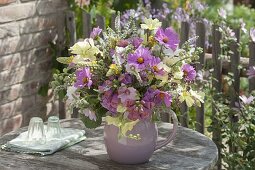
(163, 97)
(83, 78)
(127, 93)
(169, 38)
(96, 32)
(90, 114)
(139, 110)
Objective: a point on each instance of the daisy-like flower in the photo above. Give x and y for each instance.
(141, 58)
(151, 24)
(251, 72)
(127, 93)
(169, 38)
(189, 72)
(252, 34)
(155, 66)
(83, 78)
(247, 100)
(90, 114)
(95, 33)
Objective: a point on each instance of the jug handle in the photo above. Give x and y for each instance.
(171, 136)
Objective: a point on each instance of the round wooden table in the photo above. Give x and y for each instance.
(189, 150)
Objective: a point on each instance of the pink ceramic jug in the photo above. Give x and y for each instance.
(132, 151)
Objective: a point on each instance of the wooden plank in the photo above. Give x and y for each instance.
(217, 85)
(71, 26)
(113, 16)
(252, 63)
(86, 24)
(100, 21)
(184, 36)
(200, 42)
(234, 63)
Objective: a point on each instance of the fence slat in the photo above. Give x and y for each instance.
(252, 63)
(217, 85)
(234, 63)
(184, 36)
(71, 26)
(200, 42)
(113, 16)
(86, 24)
(100, 21)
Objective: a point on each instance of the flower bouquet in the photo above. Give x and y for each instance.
(124, 74)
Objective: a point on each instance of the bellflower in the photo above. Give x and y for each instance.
(110, 101)
(83, 78)
(168, 38)
(95, 33)
(189, 72)
(90, 114)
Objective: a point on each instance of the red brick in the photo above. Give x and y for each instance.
(10, 124)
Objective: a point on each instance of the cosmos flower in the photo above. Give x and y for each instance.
(141, 58)
(83, 78)
(95, 33)
(189, 72)
(168, 38)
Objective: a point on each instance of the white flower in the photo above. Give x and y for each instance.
(90, 114)
(222, 13)
(70, 93)
(151, 24)
(252, 34)
(86, 49)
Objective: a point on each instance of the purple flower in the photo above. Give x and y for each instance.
(110, 101)
(96, 31)
(222, 13)
(136, 41)
(125, 78)
(168, 38)
(122, 43)
(83, 78)
(246, 100)
(189, 72)
(180, 15)
(251, 72)
(163, 97)
(127, 93)
(252, 34)
(141, 58)
(154, 65)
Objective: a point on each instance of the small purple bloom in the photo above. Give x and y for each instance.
(141, 58)
(139, 110)
(222, 13)
(252, 34)
(125, 78)
(251, 72)
(246, 100)
(169, 38)
(189, 72)
(136, 41)
(83, 78)
(122, 43)
(96, 32)
(110, 101)
(163, 97)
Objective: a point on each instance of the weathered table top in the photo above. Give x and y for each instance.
(189, 150)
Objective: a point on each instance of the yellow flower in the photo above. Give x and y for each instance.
(186, 96)
(114, 70)
(151, 24)
(85, 49)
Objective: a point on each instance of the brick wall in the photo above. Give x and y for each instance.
(26, 28)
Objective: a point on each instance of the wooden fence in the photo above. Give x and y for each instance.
(218, 65)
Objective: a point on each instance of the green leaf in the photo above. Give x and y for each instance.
(43, 90)
(116, 121)
(64, 60)
(127, 126)
(91, 124)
